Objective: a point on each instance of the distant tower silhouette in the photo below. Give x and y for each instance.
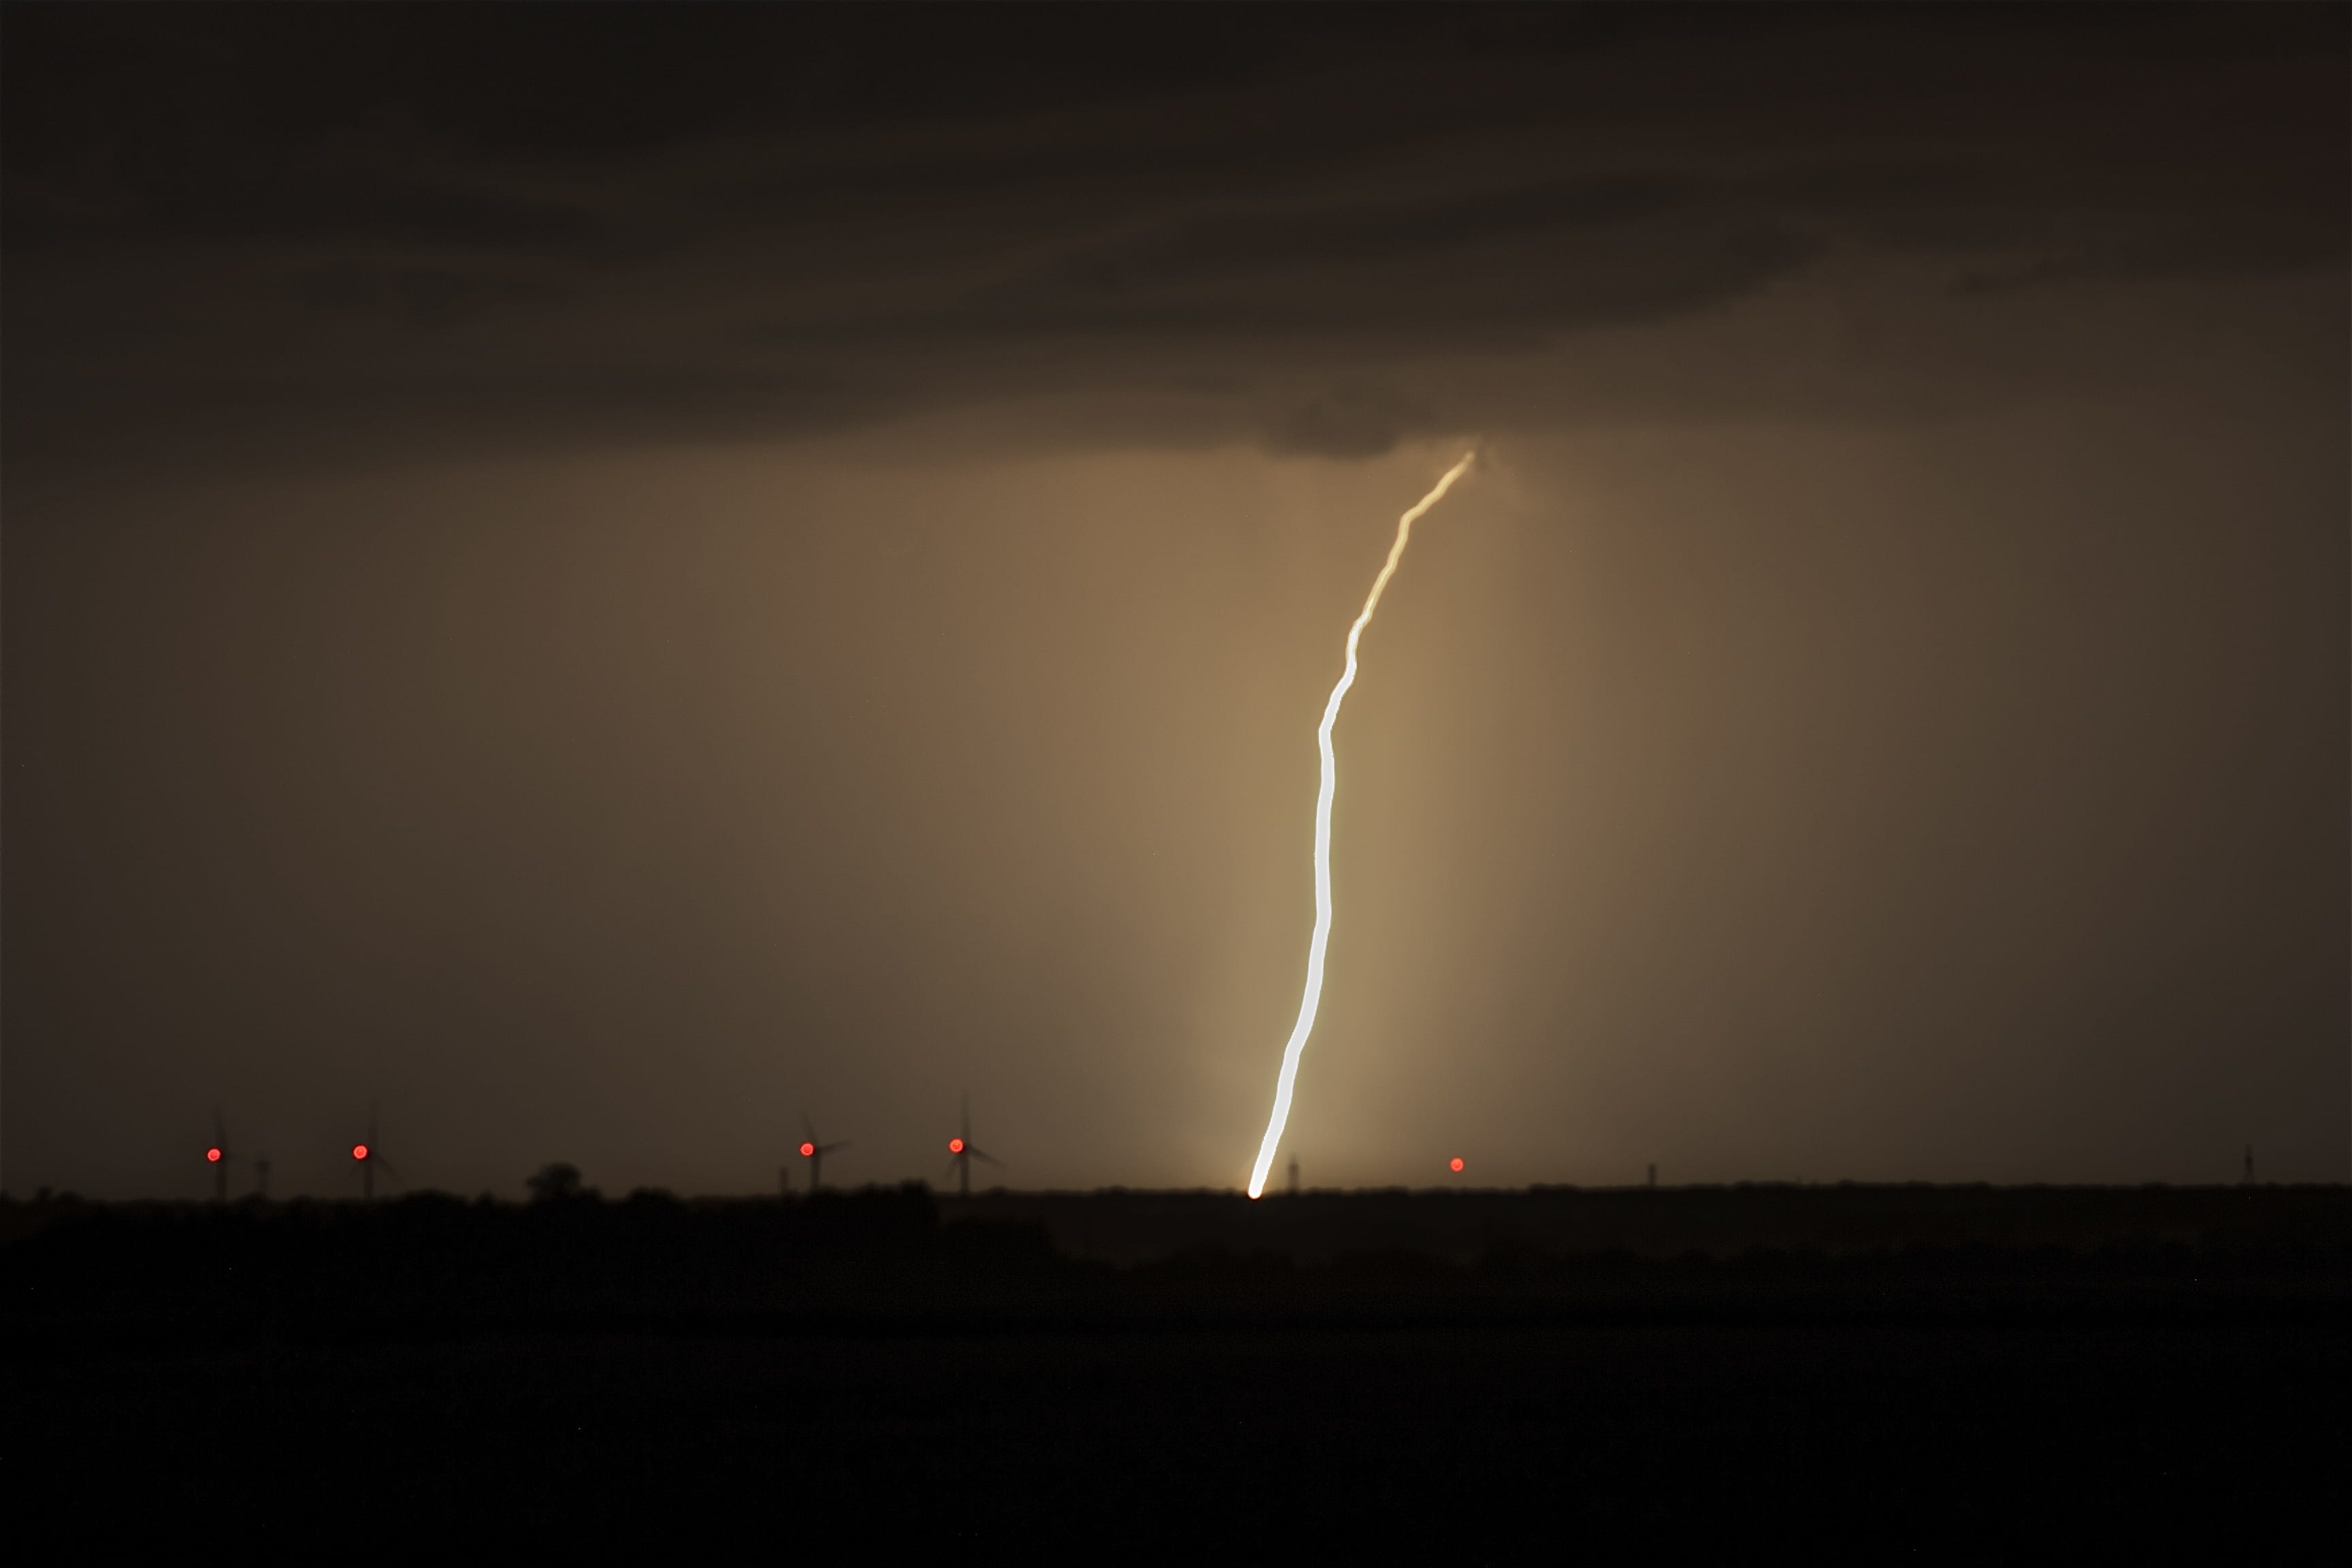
(2249, 1178)
(962, 1152)
(1294, 1176)
(813, 1149)
(1653, 1175)
(261, 1176)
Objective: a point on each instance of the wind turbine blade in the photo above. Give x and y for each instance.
(389, 1169)
(808, 1127)
(983, 1155)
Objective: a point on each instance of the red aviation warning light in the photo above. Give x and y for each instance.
(213, 1154)
(1455, 1163)
(358, 1150)
(808, 1151)
(955, 1145)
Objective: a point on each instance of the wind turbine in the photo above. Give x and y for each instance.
(814, 1151)
(367, 1156)
(218, 1155)
(962, 1152)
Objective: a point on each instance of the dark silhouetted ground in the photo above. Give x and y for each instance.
(1850, 1372)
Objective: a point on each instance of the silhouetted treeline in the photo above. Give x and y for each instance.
(1845, 1219)
(572, 1258)
(1876, 1365)
(430, 1254)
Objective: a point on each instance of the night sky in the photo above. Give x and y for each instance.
(602, 578)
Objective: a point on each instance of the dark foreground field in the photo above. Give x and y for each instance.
(1858, 1372)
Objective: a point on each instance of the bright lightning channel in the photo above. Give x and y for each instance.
(1322, 938)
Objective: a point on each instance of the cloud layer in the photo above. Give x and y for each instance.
(363, 232)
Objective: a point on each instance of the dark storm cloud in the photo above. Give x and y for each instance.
(1506, 267)
(396, 223)
(1350, 421)
(429, 296)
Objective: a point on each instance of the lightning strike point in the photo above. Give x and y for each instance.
(1321, 940)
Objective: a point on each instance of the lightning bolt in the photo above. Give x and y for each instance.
(1322, 938)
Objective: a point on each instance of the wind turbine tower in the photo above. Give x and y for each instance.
(962, 1152)
(218, 1154)
(368, 1156)
(813, 1149)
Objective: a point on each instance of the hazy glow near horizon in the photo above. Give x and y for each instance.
(1322, 936)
